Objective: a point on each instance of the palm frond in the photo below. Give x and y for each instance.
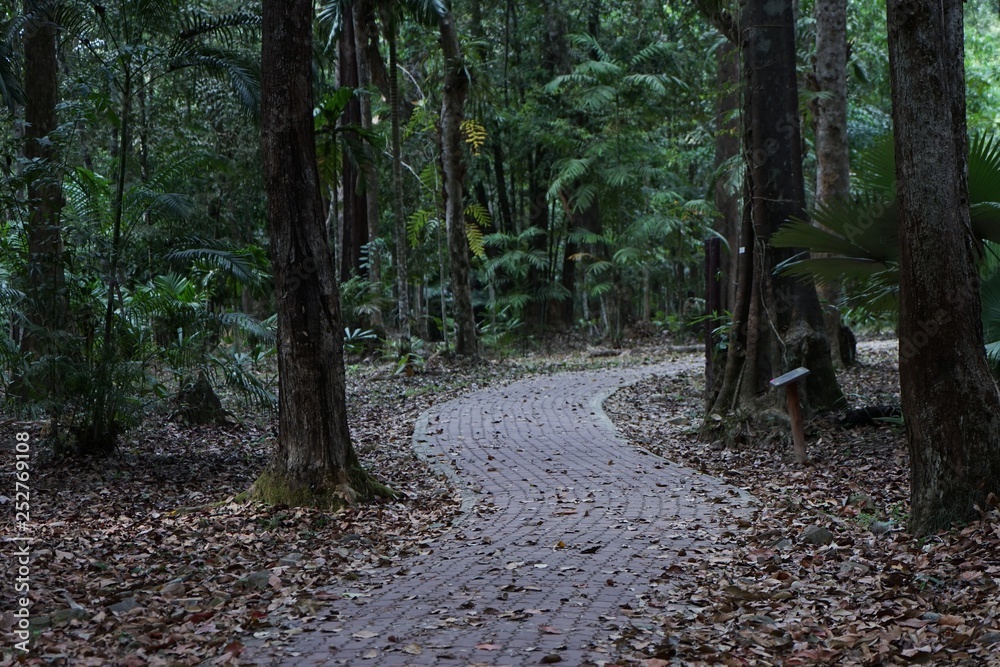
(573, 78)
(474, 235)
(827, 269)
(658, 84)
(227, 28)
(248, 265)
(249, 326)
(589, 44)
(875, 171)
(242, 71)
(656, 50)
(415, 225)
(984, 186)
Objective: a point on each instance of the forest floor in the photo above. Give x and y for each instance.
(825, 573)
(147, 559)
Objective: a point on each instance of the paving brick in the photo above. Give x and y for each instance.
(540, 465)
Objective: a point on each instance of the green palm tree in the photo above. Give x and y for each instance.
(859, 236)
(135, 43)
(860, 242)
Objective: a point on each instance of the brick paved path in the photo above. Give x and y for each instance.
(564, 524)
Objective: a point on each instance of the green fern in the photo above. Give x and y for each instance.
(416, 224)
(478, 219)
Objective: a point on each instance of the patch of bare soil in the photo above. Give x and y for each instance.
(825, 572)
(147, 558)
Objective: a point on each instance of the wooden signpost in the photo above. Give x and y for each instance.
(790, 381)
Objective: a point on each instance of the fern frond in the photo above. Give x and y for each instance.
(475, 237)
(416, 224)
(588, 43)
(475, 134)
(480, 214)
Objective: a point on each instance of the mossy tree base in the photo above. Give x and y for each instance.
(331, 491)
(761, 428)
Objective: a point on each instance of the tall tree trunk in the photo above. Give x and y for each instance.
(506, 217)
(46, 283)
(456, 88)
(950, 399)
(314, 462)
(833, 169)
(355, 230)
(727, 201)
(727, 147)
(399, 219)
(364, 26)
(784, 325)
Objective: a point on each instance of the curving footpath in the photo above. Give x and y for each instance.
(563, 525)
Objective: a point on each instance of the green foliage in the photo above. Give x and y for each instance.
(356, 340)
(477, 219)
(862, 238)
(861, 234)
(501, 329)
(360, 301)
(11, 91)
(512, 259)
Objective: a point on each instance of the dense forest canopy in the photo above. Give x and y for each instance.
(490, 172)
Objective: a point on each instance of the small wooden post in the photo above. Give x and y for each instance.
(790, 381)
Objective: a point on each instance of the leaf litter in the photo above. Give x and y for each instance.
(824, 573)
(148, 559)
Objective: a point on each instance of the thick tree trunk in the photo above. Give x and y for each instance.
(314, 462)
(833, 168)
(950, 400)
(727, 201)
(783, 326)
(46, 283)
(355, 229)
(456, 88)
(727, 147)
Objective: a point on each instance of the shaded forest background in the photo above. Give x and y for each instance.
(489, 178)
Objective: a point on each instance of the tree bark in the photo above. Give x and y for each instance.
(456, 88)
(783, 326)
(950, 400)
(314, 462)
(364, 26)
(399, 219)
(833, 167)
(506, 217)
(727, 147)
(46, 283)
(355, 230)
